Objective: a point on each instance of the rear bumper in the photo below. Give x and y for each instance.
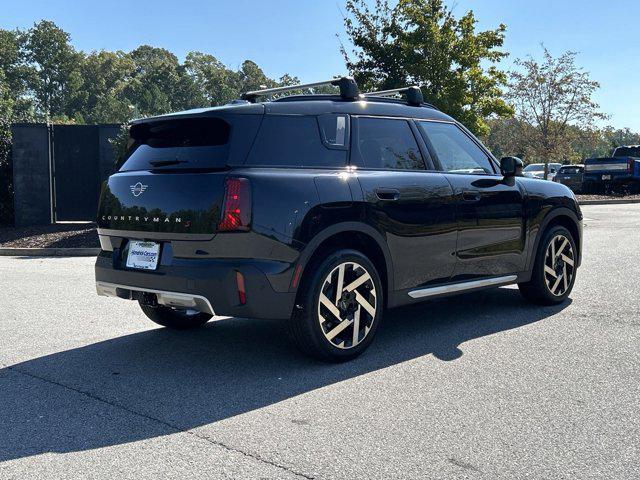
(208, 285)
(596, 177)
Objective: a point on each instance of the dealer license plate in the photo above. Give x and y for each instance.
(143, 255)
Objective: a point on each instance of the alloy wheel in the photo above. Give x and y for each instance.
(559, 265)
(347, 305)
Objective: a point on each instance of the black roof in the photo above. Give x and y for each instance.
(316, 105)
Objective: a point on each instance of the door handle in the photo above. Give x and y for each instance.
(388, 194)
(471, 195)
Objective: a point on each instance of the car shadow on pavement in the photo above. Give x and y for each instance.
(159, 382)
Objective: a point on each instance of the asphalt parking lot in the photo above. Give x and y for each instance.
(479, 386)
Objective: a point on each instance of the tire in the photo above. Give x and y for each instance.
(174, 319)
(554, 269)
(323, 324)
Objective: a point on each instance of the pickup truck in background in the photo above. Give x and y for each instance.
(618, 173)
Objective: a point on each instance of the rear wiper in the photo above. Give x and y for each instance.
(166, 163)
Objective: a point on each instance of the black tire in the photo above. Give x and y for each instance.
(540, 288)
(313, 322)
(174, 319)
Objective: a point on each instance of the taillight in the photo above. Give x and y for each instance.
(236, 212)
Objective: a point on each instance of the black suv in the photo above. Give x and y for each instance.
(324, 210)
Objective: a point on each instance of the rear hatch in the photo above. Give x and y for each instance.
(171, 179)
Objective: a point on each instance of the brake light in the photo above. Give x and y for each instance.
(236, 212)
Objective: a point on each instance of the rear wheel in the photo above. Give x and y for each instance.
(177, 319)
(554, 270)
(340, 307)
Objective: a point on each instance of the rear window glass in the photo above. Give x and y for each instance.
(171, 144)
(294, 140)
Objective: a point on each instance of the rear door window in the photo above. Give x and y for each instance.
(177, 144)
(386, 143)
(296, 141)
(456, 152)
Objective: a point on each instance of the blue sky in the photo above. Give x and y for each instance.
(299, 36)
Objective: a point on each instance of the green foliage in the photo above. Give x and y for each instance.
(421, 42)
(50, 81)
(56, 64)
(554, 114)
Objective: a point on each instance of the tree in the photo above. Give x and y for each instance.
(217, 84)
(17, 75)
(552, 96)
(55, 61)
(101, 99)
(421, 42)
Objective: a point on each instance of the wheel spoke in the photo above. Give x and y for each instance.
(555, 285)
(565, 277)
(356, 327)
(550, 271)
(340, 282)
(566, 259)
(339, 328)
(357, 282)
(561, 249)
(330, 306)
(366, 305)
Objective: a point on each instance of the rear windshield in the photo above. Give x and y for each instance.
(175, 144)
(571, 170)
(534, 167)
(627, 152)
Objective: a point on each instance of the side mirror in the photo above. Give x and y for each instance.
(511, 167)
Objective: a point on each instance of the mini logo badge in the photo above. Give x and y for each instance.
(138, 189)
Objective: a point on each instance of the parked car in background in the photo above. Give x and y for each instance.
(618, 173)
(324, 210)
(536, 170)
(571, 176)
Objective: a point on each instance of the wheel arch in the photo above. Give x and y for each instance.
(353, 235)
(559, 216)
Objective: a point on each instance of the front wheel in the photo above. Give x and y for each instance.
(339, 307)
(176, 319)
(554, 270)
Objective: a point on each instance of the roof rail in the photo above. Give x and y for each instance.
(413, 94)
(347, 85)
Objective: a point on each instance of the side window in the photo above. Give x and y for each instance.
(387, 143)
(293, 140)
(456, 152)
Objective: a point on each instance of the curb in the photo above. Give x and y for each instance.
(607, 202)
(49, 252)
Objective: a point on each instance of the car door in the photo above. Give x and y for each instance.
(489, 210)
(406, 201)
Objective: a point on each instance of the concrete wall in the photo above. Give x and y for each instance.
(31, 174)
